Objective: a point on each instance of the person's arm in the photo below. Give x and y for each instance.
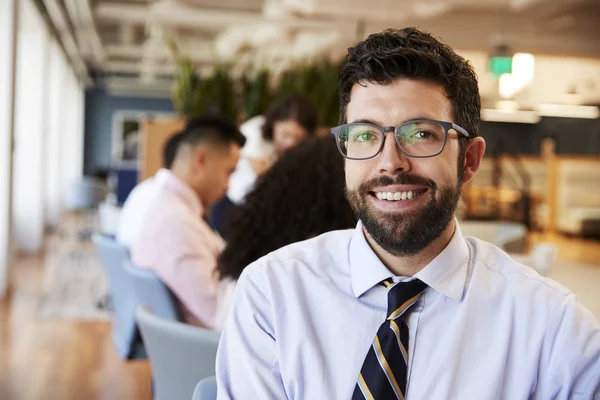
(247, 358)
(570, 363)
(187, 266)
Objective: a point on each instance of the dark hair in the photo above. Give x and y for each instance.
(299, 197)
(409, 53)
(170, 149)
(210, 128)
(291, 107)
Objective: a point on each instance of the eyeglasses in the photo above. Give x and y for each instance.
(420, 138)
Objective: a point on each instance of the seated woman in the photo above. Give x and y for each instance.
(299, 197)
(286, 123)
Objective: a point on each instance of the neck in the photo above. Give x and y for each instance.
(184, 173)
(410, 265)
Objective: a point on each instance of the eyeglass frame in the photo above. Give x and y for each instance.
(444, 124)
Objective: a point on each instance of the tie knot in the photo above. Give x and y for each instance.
(402, 296)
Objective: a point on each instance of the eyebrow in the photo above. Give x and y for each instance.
(373, 122)
(366, 121)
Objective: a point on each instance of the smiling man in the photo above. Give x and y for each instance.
(404, 306)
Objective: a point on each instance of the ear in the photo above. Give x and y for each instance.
(201, 155)
(473, 155)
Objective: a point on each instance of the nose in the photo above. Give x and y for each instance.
(391, 160)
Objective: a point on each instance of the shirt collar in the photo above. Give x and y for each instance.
(366, 269)
(171, 182)
(445, 274)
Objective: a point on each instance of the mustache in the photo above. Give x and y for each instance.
(403, 179)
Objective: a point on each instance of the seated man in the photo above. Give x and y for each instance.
(405, 306)
(174, 240)
(134, 208)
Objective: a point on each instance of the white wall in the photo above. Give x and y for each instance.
(30, 124)
(49, 112)
(7, 26)
(72, 140)
(57, 110)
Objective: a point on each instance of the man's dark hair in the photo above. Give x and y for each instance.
(291, 107)
(409, 53)
(210, 129)
(299, 197)
(170, 149)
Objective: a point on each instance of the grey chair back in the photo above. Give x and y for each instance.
(206, 389)
(124, 301)
(152, 292)
(180, 354)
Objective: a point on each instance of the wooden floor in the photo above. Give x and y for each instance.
(57, 359)
(48, 359)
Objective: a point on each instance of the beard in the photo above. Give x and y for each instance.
(406, 233)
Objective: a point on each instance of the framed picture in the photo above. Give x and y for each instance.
(126, 134)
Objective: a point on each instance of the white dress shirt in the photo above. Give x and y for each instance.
(134, 211)
(303, 318)
(243, 178)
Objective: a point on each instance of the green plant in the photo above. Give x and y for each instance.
(256, 93)
(186, 91)
(217, 93)
(251, 95)
(318, 83)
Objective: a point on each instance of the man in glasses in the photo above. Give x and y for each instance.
(404, 306)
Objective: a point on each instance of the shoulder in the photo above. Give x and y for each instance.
(167, 216)
(256, 146)
(253, 126)
(139, 193)
(497, 269)
(537, 304)
(252, 130)
(320, 257)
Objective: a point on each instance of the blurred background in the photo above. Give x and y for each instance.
(90, 90)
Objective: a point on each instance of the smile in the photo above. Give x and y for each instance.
(399, 196)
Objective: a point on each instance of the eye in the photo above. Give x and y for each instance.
(425, 134)
(362, 137)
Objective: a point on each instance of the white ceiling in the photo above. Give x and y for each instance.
(123, 43)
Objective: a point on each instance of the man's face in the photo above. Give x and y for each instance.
(430, 187)
(220, 164)
(287, 134)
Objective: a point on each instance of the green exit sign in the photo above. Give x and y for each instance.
(499, 65)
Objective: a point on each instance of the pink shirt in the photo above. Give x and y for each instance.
(180, 247)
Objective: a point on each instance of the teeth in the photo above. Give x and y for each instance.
(396, 196)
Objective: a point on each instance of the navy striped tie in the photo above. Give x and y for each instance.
(384, 372)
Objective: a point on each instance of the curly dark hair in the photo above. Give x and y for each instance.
(291, 107)
(299, 197)
(409, 53)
